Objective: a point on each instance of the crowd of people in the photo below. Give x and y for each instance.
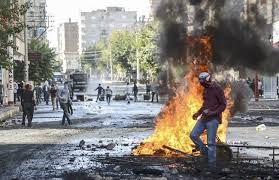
(252, 84)
(106, 94)
(30, 97)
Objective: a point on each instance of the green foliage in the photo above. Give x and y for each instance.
(123, 48)
(11, 23)
(42, 70)
(147, 51)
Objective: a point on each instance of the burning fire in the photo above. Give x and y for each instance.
(174, 124)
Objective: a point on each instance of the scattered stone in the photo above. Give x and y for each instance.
(83, 148)
(269, 178)
(226, 170)
(117, 168)
(88, 146)
(100, 141)
(153, 178)
(95, 176)
(93, 149)
(125, 144)
(81, 143)
(174, 171)
(110, 146)
(72, 159)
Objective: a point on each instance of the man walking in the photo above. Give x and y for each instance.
(28, 104)
(211, 113)
(46, 93)
(135, 91)
(100, 90)
(53, 95)
(108, 95)
(64, 96)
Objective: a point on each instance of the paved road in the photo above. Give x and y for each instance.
(47, 149)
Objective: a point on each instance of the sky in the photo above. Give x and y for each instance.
(61, 10)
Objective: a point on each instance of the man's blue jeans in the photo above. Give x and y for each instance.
(211, 126)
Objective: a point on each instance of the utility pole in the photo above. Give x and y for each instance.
(111, 78)
(26, 67)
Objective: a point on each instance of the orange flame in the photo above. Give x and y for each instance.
(175, 123)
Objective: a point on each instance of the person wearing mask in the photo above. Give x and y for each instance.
(28, 104)
(108, 95)
(128, 93)
(1, 93)
(135, 91)
(100, 90)
(53, 95)
(64, 96)
(214, 103)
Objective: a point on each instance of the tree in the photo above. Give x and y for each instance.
(123, 51)
(11, 23)
(42, 69)
(147, 51)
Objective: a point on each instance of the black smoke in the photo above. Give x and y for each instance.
(173, 29)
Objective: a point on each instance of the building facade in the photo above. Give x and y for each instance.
(154, 4)
(98, 25)
(37, 20)
(68, 46)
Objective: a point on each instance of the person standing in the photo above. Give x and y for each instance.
(46, 93)
(28, 104)
(100, 90)
(37, 91)
(128, 93)
(135, 91)
(19, 91)
(57, 97)
(108, 95)
(53, 95)
(214, 103)
(64, 96)
(1, 93)
(155, 92)
(15, 92)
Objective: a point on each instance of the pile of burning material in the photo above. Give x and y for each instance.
(174, 123)
(171, 167)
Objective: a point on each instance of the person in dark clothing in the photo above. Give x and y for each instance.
(155, 92)
(100, 90)
(46, 93)
(28, 104)
(214, 103)
(135, 91)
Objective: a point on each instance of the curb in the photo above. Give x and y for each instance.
(9, 113)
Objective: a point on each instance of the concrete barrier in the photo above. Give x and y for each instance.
(8, 112)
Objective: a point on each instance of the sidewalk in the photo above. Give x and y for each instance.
(7, 112)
